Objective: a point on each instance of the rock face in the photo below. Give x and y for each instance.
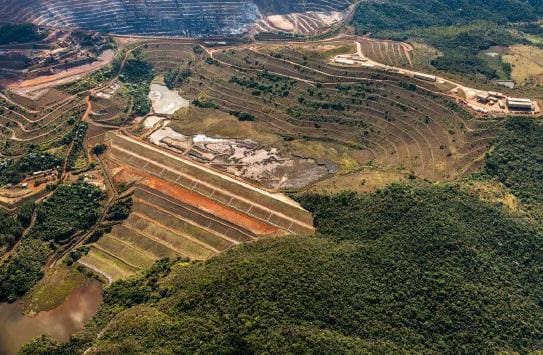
(159, 17)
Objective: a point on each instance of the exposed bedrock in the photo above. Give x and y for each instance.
(159, 17)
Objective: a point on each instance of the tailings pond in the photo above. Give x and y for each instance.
(17, 328)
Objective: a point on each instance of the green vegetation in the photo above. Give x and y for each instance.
(137, 75)
(77, 254)
(99, 149)
(516, 160)
(19, 33)
(461, 47)
(459, 29)
(243, 116)
(53, 289)
(22, 270)
(197, 49)
(10, 233)
(177, 76)
(78, 133)
(409, 269)
(266, 83)
(72, 208)
(119, 210)
(13, 171)
(203, 102)
(25, 213)
(408, 14)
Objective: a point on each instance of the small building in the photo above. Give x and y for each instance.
(498, 95)
(516, 104)
(484, 98)
(507, 83)
(342, 60)
(425, 77)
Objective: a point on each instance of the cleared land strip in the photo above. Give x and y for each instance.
(194, 228)
(104, 264)
(243, 222)
(184, 243)
(223, 189)
(229, 231)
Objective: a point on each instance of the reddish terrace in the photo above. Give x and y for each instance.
(211, 206)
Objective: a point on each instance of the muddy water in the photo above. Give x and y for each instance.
(16, 328)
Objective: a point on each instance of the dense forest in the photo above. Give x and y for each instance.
(19, 33)
(411, 268)
(408, 14)
(516, 161)
(461, 46)
(11, 231)
(70, 209)
(459, 29)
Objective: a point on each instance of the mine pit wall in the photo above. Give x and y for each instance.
(209, 183)
(193, 18)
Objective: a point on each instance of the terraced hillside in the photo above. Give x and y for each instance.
(183, 17)
(56, 53)
(184, 209)
(43, 121)
(391, 121)
(391, 53)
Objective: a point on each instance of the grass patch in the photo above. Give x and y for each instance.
(52, 289)
(526, 64)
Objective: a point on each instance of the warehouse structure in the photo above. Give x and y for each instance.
(516, 104)
(425, 77)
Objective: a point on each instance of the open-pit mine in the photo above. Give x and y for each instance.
(270, 176)
(182, 18)
(208, 140)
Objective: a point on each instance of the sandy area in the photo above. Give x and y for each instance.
(330, 18)
(166, 132)
(281, 22)
(65, 76)
(166, 101)
(151, 121)
(245, 158)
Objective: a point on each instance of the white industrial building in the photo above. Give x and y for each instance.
(516, 104)
(425, 77)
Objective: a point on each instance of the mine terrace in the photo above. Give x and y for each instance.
(204, 137)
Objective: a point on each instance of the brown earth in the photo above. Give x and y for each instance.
(210, 206)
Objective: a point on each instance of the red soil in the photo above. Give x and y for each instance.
(211, 206)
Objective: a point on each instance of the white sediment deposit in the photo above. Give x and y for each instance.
(166, 101)
(245, 158)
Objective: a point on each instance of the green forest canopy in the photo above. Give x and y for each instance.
(19, 33)
(72, 208)
(460, 29)
(516, 161)
(412, 268)
(402, 15)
